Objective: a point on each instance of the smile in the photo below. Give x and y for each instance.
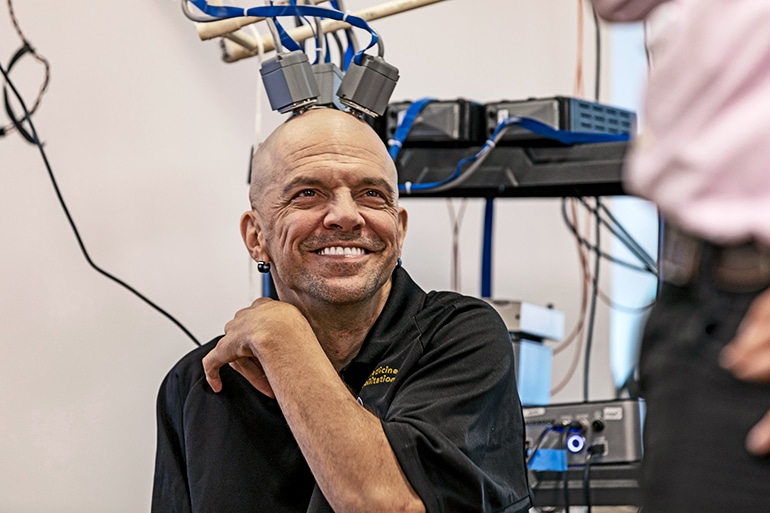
(343, 251)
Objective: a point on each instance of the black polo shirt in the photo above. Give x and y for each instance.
(436, 368)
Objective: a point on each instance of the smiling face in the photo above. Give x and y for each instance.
(326, 212)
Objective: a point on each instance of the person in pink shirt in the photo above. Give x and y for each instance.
(703, 158)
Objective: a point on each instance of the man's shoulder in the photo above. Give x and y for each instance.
(189, 369)
(459, 303)
(462, 319)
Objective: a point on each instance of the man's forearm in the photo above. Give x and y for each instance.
(344, 444)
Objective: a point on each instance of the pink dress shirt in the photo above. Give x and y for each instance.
(703, 154)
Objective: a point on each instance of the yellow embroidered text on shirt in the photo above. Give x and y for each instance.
(382, 374)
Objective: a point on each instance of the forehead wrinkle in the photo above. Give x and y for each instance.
(291, 144)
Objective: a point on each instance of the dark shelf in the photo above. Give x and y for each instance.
(609, 485)
(535, 170)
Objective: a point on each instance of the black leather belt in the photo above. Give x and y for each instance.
(734, 268)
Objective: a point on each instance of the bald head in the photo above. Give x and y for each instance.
(311, 135)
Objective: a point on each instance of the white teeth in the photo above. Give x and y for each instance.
(338, 250)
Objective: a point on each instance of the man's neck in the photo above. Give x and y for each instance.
(342, 329)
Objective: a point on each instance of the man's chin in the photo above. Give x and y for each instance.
(347, 290)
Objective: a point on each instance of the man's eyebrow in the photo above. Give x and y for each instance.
(309, 181)
(380, 183)
(301, 181)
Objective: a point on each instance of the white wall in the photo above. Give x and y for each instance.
(148, 133)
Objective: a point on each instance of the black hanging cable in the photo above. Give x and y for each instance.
(617, 229)
(15, 121)
(539, 442)
(36, 142)
(606, 256)
(587, 481)
(26, 49)
(629, 240)
(592, 308)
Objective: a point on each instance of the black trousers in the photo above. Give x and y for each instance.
(698, 415)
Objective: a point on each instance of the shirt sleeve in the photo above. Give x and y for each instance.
(625, 10)
(170, 493)
(455, 423)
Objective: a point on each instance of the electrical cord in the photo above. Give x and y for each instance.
(616, 229)
(598, 70)
(405, 126)
(352, 42)
(587, 482)
(25, 49)
(340, 48)
(577, 331)
(564, 428)
(592, 308)
(456, 219)
(217, 12)
(539, 442)
(590, 452)
(631, 243)
(190, 15)
(590, 316)
(36, 142)
(584, 276)
(578, 82)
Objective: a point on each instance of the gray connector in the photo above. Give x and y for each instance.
(289, 81)
(367, 87)
(328, 77)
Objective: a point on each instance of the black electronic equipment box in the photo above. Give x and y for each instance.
(561, 113)
(459, 122)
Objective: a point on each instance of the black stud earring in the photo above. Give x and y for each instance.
(263, 267)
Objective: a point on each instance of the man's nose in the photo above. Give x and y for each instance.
(343, 214)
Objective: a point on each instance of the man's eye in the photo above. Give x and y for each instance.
(306, 193)
(373, 194)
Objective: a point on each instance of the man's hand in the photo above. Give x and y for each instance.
(747, 356)
(264, 322)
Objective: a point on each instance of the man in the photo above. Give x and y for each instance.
(356, 391)
(704, 159)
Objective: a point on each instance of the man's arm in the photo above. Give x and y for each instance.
(170, 491)
(344, 444)
(625, 10)
(748, 357)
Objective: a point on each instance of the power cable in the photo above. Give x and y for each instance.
(598, 70)
(25, 49)
(36, 142)
(592, 308)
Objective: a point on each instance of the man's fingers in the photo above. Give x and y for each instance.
(747, 356)
(758, 439)
(211, 370)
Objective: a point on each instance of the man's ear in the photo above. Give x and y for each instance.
(251, 232)
(402, 223)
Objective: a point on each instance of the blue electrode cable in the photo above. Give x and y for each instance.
(217, 12)
(402, 131)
